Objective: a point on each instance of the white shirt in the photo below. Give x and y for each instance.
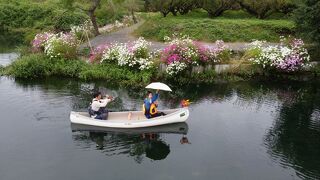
(96, 104)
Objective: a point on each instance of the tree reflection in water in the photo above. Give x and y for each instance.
(294, 139)
(137, 143)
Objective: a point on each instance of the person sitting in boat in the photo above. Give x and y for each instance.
(150, 105)
(98, 106)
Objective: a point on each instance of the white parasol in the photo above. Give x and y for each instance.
(159, 85)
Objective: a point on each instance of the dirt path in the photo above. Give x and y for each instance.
(125, 35)
(121, 36)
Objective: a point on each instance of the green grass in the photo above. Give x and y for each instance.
(37, 66)
(21, 20)
(2, 70)
(231, 27)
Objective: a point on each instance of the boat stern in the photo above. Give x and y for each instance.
(184, 114)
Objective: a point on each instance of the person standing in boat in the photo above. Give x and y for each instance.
(98, 106)
(150, 105)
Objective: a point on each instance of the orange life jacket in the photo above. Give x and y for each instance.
(153, 109)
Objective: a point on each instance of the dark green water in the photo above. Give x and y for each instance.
(236, 131)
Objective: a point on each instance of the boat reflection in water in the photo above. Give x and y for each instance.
(137, 143)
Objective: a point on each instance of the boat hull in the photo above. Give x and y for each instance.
(176, 128)
(137, 120)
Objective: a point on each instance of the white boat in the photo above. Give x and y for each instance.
(176, 128)
(137, 120)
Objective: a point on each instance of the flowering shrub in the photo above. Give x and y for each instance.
(182, 53)
(176, 67)
(96, 53)
(290, 56)
(40, 40)
(117, 53)
(135, 55)
(56, 45)
(61, 45)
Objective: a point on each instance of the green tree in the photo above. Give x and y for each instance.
(164, 6)
(89, 7)
(259, 8)
(307, 18)
(184, 6)
(147, 5)
(217, 7)
(133, 6)
(285, 6)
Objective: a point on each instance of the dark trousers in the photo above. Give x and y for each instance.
(102, 113)
(158, 114)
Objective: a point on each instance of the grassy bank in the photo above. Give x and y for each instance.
(231, 27)
(37, 66)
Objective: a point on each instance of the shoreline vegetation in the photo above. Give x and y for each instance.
(57, 30)
(182, 62)
(39, 66)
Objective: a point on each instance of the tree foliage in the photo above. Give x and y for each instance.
(88, 6)
(164, 7)
(173, 6)
(184, 6)
(286, 6)
(260, 8)
(217, 7)
(307, 18)
(133, 6)
(20, 20)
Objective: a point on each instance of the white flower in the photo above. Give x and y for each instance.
(287, 57)
(60, 42)
(134, 55)
(176, 67)
(256, 44)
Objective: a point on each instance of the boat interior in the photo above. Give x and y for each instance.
(130, 115)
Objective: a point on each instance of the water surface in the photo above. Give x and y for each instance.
(7, 58)
(251, 130)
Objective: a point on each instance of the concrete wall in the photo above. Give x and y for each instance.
(219, 68)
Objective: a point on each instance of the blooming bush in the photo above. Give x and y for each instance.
(176, 67)
(62, 45)
(40, 40)
(288, 56)
(182, 53)
(117, 53)
(135, 55)
(96, 53)
(56, 45)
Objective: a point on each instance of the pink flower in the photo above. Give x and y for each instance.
(39, 41)
(172, 58)
(96, 53)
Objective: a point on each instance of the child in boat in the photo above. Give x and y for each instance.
(98, 107)
(150, 105)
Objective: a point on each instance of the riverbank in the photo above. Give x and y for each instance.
(133, 62)
(39, 66)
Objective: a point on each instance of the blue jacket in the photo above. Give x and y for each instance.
(147, 103)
